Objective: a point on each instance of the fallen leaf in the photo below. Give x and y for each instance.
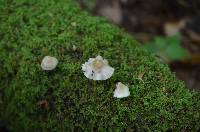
(43, 104)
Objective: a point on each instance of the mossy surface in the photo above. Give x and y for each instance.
(64, 99)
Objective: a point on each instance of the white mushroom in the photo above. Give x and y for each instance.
(121, 91)
(74, 48)
(49, 63)
(97, 69)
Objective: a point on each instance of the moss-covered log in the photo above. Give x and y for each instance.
(64, 99)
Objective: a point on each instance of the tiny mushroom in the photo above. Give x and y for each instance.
(97, 69)
(49, 63)
(74, 48)
(121, 91)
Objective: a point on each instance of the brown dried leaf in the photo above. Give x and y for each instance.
(43, 104)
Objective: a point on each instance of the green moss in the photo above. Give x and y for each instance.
(64, 99)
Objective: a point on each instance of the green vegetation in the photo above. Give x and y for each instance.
(168, 49)
(64, 99)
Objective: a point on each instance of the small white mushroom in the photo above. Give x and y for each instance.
(49, 63)
(97, 69)
(121, 91)
(74, 48)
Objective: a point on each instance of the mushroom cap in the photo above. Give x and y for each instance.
(121, 91)
(97, 69)
(49, 63)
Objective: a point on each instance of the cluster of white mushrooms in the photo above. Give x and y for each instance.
(95, 69)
